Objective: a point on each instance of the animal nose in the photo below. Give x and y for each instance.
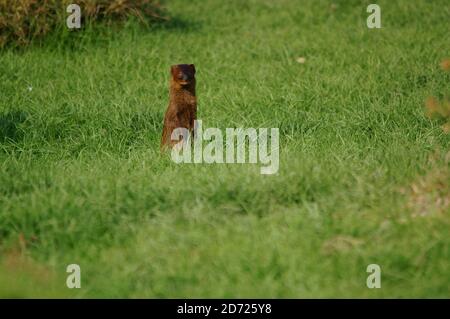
(185, 77)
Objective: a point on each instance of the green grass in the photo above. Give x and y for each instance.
(81, 176)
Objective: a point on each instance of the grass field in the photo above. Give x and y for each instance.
(364, 174)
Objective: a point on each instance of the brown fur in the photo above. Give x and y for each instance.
(182, 109)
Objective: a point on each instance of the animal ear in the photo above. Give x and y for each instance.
(173, 69)
(193, 67)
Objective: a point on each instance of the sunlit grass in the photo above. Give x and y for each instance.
(82, 179)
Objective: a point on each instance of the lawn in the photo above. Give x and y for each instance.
(363, 178)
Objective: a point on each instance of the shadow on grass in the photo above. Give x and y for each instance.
(178, 24)
(103, 34)
(9, 126)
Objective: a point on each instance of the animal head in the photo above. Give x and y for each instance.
(183, 74)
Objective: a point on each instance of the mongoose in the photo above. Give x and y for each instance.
(182, 109)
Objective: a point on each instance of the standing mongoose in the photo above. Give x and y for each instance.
(182, 109)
